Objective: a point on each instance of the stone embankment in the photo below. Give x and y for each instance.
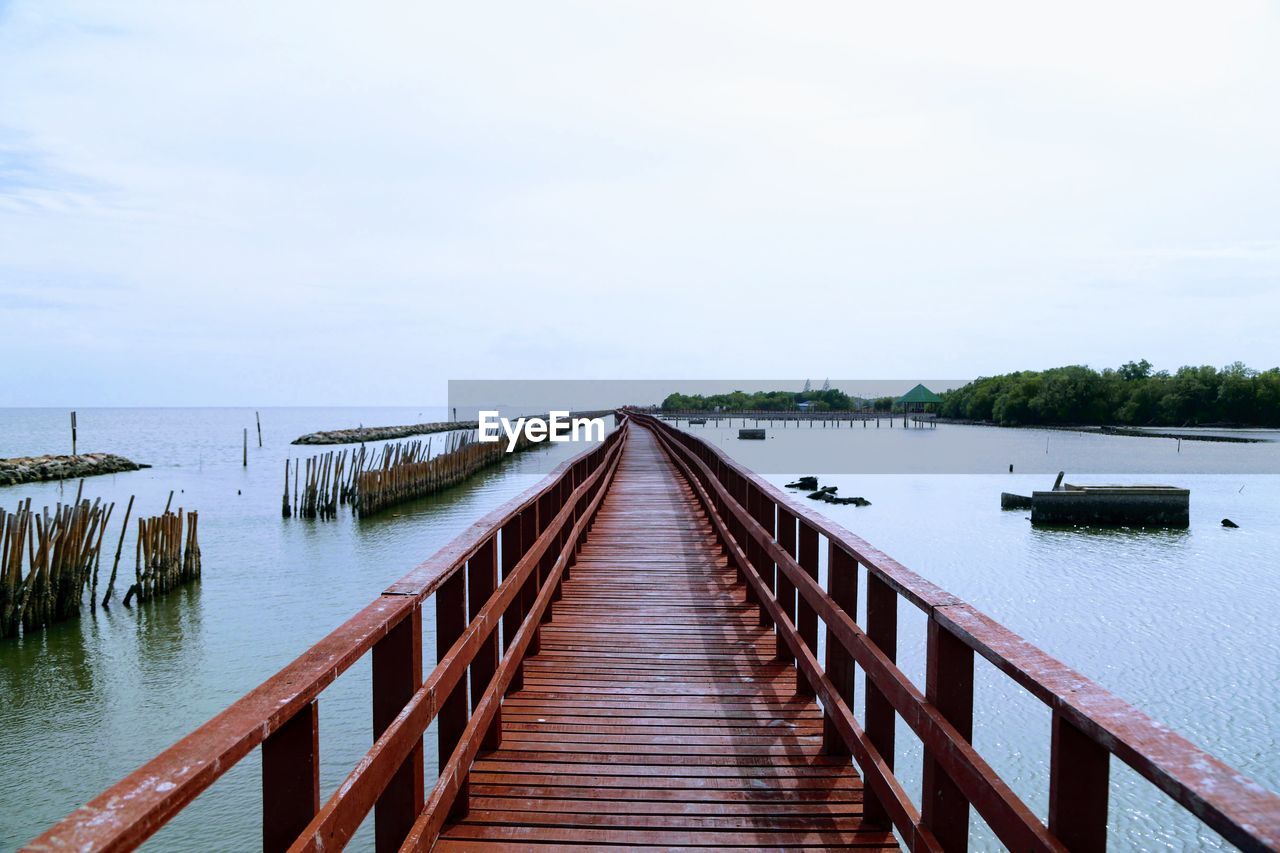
(37, 469)
(361, 434)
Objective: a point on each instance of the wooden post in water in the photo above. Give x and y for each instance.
(73, 433)
(258, 417)
(124, 528)
(246, 447)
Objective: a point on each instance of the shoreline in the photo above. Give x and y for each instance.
(1131, 432)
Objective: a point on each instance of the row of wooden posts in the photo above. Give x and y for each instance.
(372, 481)
(49, 560)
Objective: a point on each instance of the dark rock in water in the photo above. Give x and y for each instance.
(1009, 500)
(809, 483)
(36, 469)
(821, 494)
(858, 501)
(1226, 522)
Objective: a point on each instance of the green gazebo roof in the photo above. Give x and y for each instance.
(919, 394)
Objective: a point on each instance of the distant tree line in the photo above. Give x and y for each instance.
(1132, 395)
(829, 400)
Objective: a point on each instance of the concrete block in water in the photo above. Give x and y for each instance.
(757, 434)
(1117, 506)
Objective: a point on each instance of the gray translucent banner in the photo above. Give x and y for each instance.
(907, 439)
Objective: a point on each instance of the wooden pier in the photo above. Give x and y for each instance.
(656, 712)
(628, 656)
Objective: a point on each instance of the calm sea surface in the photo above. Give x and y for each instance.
(1178, 623)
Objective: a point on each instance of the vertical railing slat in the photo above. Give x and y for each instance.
(1078, 788)
(842, 585)
(881, 722)
(451, 621)
(786, 589)
(290, 778)
(806, 617)
(512, 551)
(482, 580)
(397, 674)
(949, 687)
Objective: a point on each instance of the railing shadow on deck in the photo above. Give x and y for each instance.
(774, 543)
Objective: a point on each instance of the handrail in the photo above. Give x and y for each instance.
(774, 543)
(281, 713)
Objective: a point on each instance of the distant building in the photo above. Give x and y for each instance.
(918, 400)
(805, 406)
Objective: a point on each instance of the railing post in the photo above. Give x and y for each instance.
(1078, 788)
(290, 779)
(482, 580)
(882, 631)
(949, 688)
(397, 674)
(451, 621)
(786, 589)
(842, 585)
(806, 617)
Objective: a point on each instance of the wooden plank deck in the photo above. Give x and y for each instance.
(655, 715)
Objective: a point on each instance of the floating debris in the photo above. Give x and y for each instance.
(807, 482)
(827, 494)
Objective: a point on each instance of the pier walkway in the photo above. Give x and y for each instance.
(656, 648)
(656, 712)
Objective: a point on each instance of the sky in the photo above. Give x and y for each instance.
(287, 203)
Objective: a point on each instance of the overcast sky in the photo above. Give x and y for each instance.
(323, 203)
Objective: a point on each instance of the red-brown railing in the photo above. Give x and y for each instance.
(530, 541)
(775, 545)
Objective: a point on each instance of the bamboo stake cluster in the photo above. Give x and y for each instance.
(322, 483)
(166, 556)
(371, 481)
(48, 560)
(62, 553)
(402, 477)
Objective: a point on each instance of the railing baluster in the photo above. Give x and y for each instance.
(451, 621)
(806, 618)
(1078, 788)
(882, 631)
(842, 585)
(397, 674)
(949, 687)
(290, 778)
(786, 589)
(482, 580)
